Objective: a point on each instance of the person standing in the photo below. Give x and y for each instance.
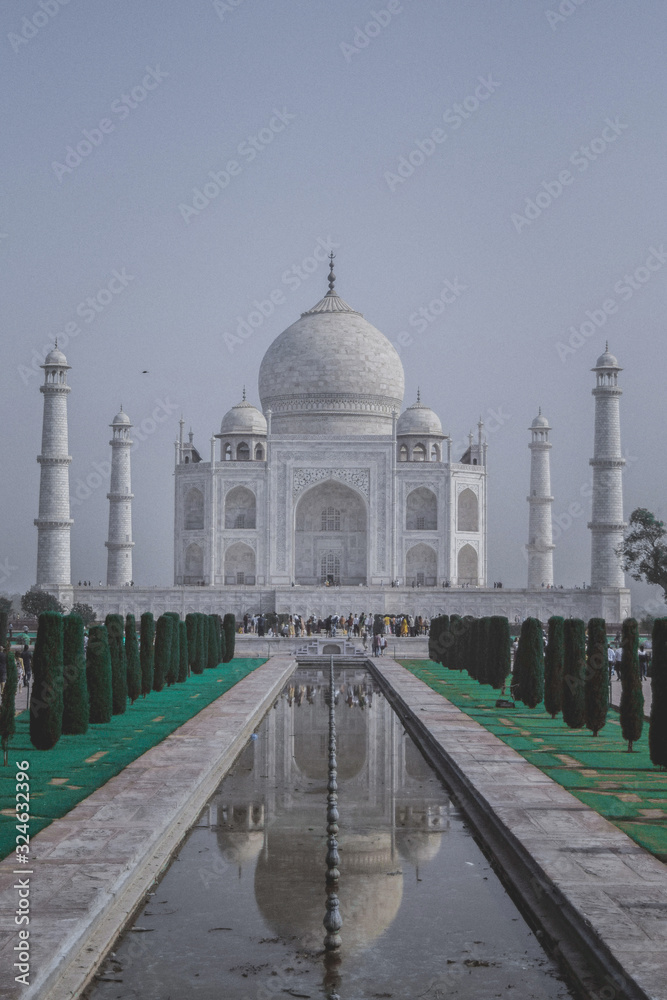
(618, 655)
(611, 657)
(26, 656)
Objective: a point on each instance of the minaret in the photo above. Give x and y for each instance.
(540, 536)
(54, 522)
(607, 525)
(120, 544)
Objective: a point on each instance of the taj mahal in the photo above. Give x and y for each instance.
(332, 487)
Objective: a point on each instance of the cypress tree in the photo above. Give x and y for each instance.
(454, 653)
(116, 632)
(553, 667)
(213, 642)
(530, 655)
(98, 674)
(657, 730)
(229, 627)
(76, 707)
(483, 665)
(222, 646)
(191, 627)
(171, 674)
(202, 638)
(596, 687)
(146, 652)
(134, 678)
(473, 649)
(500, 652)
(183, 652)
(574, 672)
(632, 696)
(198, 659)
(46, 697)
(8, 706)
(3, 629)
(434, 633)
(162, 651)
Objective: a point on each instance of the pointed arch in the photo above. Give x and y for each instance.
(194, 510)
(421, 510)
(467, 565)
(467, 511)
(240, 508)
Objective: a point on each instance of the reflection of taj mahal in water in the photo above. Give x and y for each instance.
(391, 809)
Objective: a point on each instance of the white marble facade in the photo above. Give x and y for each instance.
(330, 483)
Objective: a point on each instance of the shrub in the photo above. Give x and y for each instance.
(85, 613)
(46, 697)
(553, 667)
(134, 679)
(632, 696)
(472, 656)
(162, 651)
(76, 707)
(434, 638)
(147, 652)
(596, 687)
(4, 619)
(483, 640)
(529, 685)
(454, 652)
(98, 674)
(229, 627)
(116, 631)
(574, 672)
(8, 706)
(657, 730)
(500, 652)
(36, 602)
(182, 652)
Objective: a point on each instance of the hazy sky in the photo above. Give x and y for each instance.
(515, 150)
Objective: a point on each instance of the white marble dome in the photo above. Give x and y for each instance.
(55, 357)
(244, 418)
(606, 360)
(331, 372)
(419, 419)
(540, 421)
(121, 418)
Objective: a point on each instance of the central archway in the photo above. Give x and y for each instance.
(331, 528)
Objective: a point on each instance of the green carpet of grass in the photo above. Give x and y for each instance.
(77, 765)
(627, 789)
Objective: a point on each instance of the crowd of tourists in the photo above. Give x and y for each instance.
(350, 625)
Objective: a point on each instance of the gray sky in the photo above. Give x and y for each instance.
(410, 134)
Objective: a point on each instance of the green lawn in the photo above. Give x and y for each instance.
(626, 789)
(77, 765)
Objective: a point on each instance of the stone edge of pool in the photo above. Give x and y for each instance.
(578, 875)
(93, 867)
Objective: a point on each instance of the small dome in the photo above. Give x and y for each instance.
(540, 421)
(55, 357)
(606, 360)
(121, 418)
(244, 418)
(419, 419)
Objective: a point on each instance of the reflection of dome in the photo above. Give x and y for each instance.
(331, 371)
(244, 418)
(290, 887)
(419, 419)
(311, 754)
(418, 847)
(239, 847)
